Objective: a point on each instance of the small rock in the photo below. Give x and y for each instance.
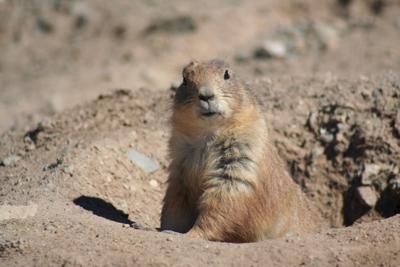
(394, 185)
(369, 171)
(69, 170)
(299, 38)
(272, 49)
(342, 127)
(366, 95)
(316, 152)
(395, 169)
(367, 196)
(33, 136)
(326, 36)
(8, 212)
(147, 164)
(9, 160)
(153, 183)
(325, 136)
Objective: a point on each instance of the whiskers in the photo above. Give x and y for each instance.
(227, 95)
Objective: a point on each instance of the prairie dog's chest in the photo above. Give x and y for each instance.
(195, 158)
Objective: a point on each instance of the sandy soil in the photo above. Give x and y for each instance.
(82, 83)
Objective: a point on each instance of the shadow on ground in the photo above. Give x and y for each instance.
(104, 209)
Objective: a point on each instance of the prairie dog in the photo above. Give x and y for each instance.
(226, 181)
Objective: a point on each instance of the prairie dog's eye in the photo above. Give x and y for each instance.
(226, 75)
(184, 81)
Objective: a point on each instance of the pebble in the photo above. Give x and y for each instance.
(326, 35)
(147, 164)
(367, 196)
(370, 170)
(9, 160)
(272, 49)
(325, 136)
(153, 183)
(298, 38)
(394, 185)
(8, 212)
(69, 170)
(316, 152)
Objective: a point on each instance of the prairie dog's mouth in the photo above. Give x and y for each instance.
(209, 114)
(208, 108)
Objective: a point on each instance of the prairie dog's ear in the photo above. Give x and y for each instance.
(189, 68)
(193, 63)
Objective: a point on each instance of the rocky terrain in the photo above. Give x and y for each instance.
(85, 97)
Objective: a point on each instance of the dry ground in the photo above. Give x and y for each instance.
(69, 194)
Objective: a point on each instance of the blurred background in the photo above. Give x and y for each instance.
(55, 54)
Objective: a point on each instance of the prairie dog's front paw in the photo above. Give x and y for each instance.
(194, 233)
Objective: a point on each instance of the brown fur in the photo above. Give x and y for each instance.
(226, 181)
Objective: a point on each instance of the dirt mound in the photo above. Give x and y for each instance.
(76, 170)
(84, 153)
(342, 145)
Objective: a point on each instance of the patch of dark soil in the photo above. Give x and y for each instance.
(358, 143)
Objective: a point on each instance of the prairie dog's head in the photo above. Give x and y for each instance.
(209, 94)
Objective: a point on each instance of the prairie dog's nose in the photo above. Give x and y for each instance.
(206, 94)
